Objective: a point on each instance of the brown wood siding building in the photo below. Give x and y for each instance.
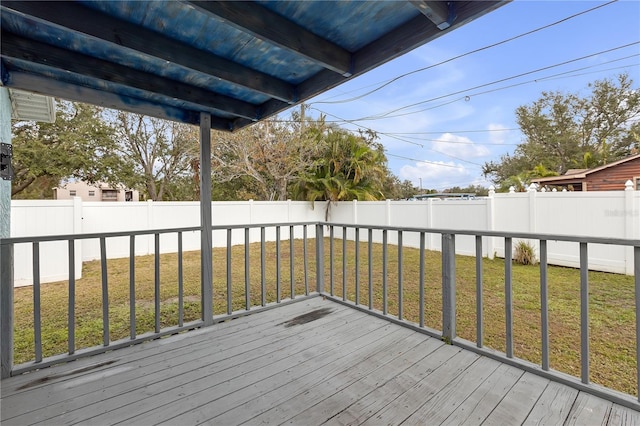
(610, 177)
(614, 178)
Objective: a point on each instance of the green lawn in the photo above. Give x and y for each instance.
(612, 318)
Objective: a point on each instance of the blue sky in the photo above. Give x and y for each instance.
(454, 135)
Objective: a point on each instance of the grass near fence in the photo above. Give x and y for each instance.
(612, 318)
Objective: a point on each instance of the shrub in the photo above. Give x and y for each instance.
(524, 253)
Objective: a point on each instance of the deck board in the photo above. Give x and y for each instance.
(346, 367)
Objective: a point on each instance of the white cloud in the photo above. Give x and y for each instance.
(436, 175)
(496, 135)
(459, 146)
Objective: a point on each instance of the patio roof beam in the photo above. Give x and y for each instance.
(79, 18)
(438, 12)
(28, 81)
(273, 28)
(14, 46)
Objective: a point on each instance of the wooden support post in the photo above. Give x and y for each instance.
(206, 242)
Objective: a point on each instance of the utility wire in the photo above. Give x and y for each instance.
(506, 79)
(465, 54)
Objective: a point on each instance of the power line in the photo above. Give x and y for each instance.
(504, 79)
(465, 54)
(566, 74)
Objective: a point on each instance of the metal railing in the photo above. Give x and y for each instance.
(231, 310)
(449, 305)
(365, 288)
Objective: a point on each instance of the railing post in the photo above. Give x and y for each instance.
(319, 258)
(448, 287)
(6, 309)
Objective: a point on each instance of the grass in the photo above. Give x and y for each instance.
(611, 308)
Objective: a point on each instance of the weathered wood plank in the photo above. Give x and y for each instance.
(554, 405)
(437, 408)
(382, 394)
(326, 364)
(80, 392)
(311, 406)
(474, 409)
(515, 406)
(623, 416)
(160, 400)
(589, 409)
(252, 324)
(413, 398)
(344, 368)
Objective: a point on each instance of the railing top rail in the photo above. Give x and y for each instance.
(85, 236)
(502, 234)
(64, 237)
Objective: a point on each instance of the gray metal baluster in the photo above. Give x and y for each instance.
(400, 290)
(71, 313)
(247, 283)
(421, 288)
(357, 262)
(636, 271)
(306, 260)
(370, 263)
(508, 294)
(544, 305)
(132, 287)
(263, 272)
(319, 258)
(229, 275)
(105, 292)
(584, 313)
(385, 261)
(278, 273)
(156, 292)
(344, 263)
(37, 308)
(180, 283)
(479, 299)
(291, 264)
(448, 287)
(331, 269)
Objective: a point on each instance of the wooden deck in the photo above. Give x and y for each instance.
(335, 366)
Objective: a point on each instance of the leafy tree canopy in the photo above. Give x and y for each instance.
(565, 131)
(78, 145)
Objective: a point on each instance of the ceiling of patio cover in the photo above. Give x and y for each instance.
(239, 61)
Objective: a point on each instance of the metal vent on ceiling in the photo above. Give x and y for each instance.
(29, 106)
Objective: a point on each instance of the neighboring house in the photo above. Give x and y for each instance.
(94, 192)
(610, 177)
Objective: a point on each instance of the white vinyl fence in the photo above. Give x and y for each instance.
(614, 214)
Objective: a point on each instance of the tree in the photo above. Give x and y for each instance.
(564, 131)
(271, 154)
(160, 153)
(349, 167)
(78, 145)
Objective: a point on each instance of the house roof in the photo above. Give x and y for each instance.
(577, 175)
(239, 61)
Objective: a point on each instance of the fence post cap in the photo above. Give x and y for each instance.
(628, 185)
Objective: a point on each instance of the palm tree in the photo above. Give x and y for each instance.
(348, 169)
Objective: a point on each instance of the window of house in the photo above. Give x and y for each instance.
(92, 193)
(72, 192)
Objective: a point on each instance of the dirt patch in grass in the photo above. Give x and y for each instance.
(611, 300)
